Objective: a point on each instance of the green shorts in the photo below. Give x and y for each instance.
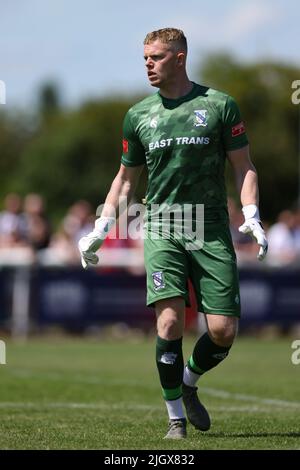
(212, 270)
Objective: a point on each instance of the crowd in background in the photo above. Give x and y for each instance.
(26, 235)
(283, 237)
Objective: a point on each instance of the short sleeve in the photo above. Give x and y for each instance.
(133, 151)
(234, 131)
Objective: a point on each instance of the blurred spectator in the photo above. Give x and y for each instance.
(79, 220)
(282, 244)
(119, 239)
(12, 227)
(62, 250)
(296, 231)
(243, 244)
(37, 226)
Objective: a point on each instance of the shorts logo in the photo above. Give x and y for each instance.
(200, 117)
(168, 358)
(158, 280)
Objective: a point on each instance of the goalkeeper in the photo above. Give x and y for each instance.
(184, 134)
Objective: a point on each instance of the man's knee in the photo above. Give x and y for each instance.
(168, 327)
(170, 318)
(222, 331)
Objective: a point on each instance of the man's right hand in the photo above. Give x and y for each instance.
(89, 244)
(253, 226)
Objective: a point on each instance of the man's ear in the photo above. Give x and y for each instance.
(181, 58)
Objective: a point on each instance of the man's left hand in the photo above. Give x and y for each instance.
(255, 229)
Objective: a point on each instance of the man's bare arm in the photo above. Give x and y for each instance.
(247, 185)
(245, 175)
(123, 187)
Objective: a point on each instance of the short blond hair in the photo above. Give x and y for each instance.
(168, 36)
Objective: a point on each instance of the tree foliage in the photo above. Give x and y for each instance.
(74, 154)
(263, 92)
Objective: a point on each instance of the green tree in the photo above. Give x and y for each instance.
(15, 133)
(75, 155)
(49, 100)
(263, 92)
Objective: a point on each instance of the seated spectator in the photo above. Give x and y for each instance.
(296, 232)
(282, 246)
(120, 247)
(79, 220)
(12, 226)
(37, 226)
(61, 251)
(243, 244)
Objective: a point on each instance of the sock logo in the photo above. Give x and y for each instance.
(220, 356)
(168, 358)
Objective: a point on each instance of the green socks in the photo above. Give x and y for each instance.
(206, 355)
(169, 361)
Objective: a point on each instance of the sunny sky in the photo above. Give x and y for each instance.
(94, 47)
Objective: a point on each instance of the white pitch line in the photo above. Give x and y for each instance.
(243, 397)
(121, 406)
(223, 394)
(91, 406)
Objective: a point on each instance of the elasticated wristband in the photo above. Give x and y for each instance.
(251, 211)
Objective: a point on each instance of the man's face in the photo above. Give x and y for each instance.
(161, 63)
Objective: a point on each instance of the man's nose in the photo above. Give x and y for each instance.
(149, 62)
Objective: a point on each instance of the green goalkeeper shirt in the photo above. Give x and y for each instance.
(183, 143)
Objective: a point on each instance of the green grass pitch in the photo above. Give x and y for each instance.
(87, 394)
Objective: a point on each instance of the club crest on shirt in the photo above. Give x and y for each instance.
(153, 122)
(158, 280)
(200, 117)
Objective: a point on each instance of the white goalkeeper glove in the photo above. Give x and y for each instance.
(89, 244)
(253, 226)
